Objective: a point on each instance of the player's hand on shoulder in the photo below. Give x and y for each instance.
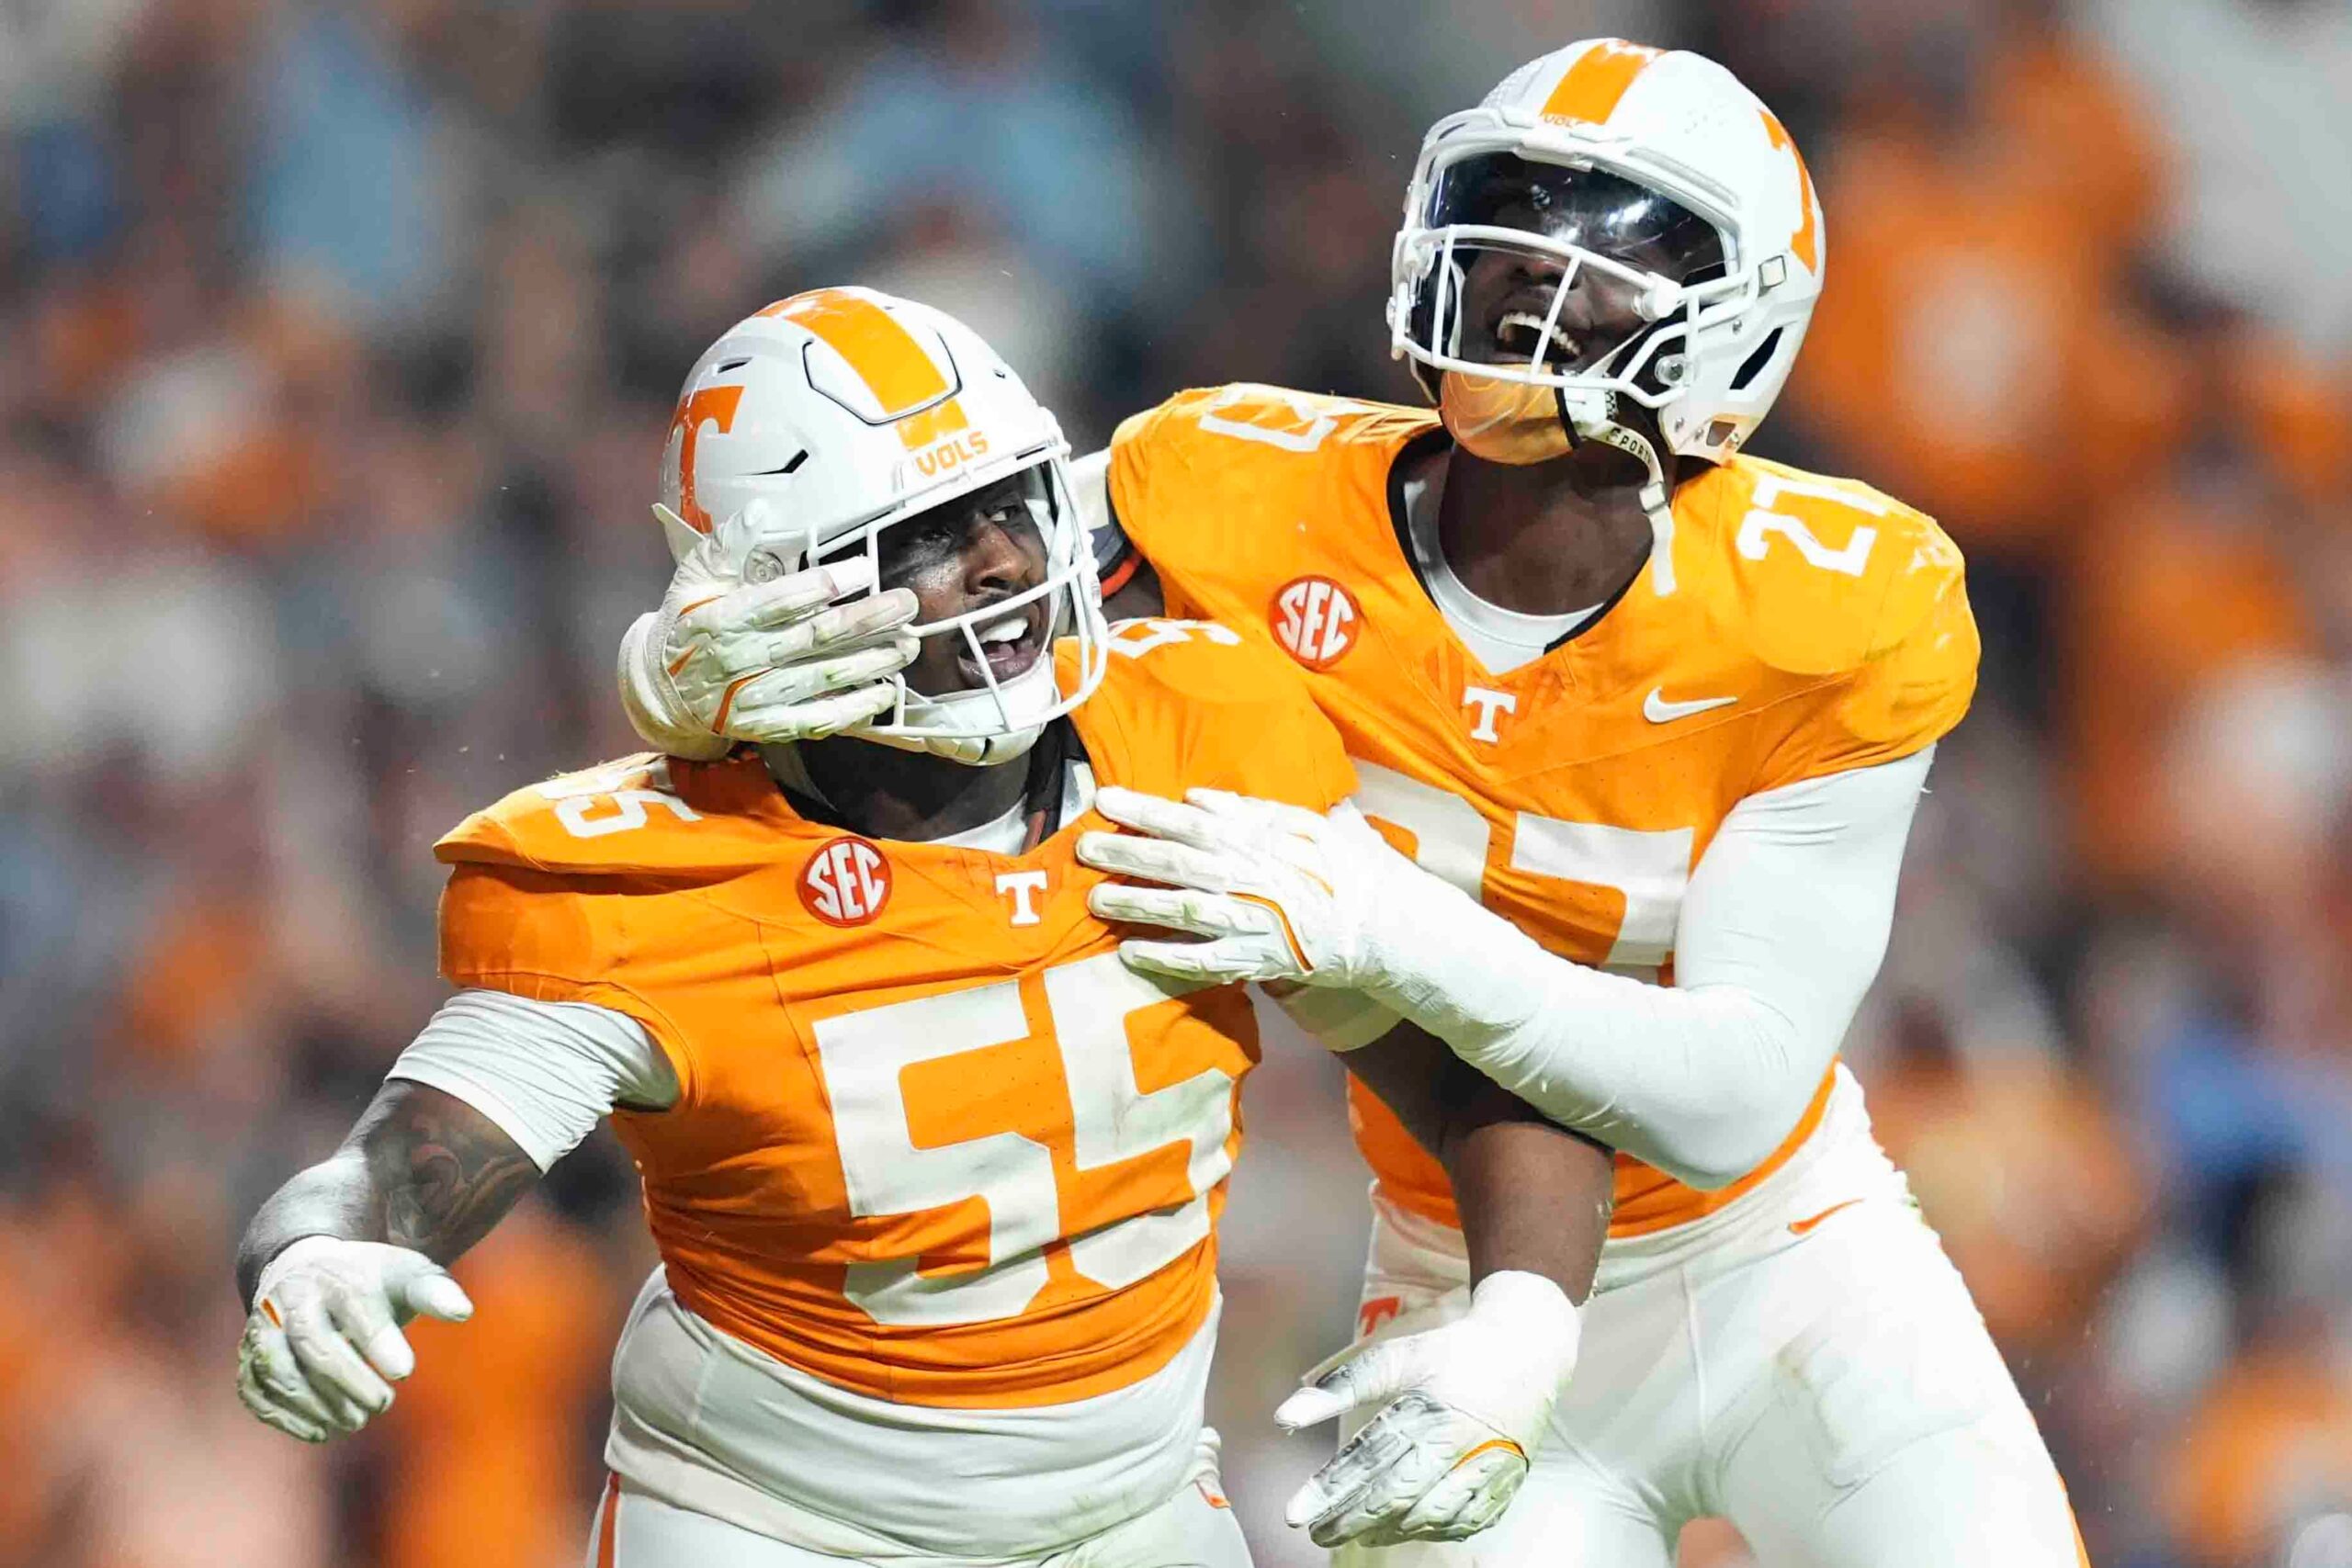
(1274, 892)
(322, 1346)
(1465, 1404)
(724, 661)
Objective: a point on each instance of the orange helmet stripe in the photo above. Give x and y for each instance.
(1808, 245)
(1592, 87)
(918, 430)
(886, 357)
(885, 354)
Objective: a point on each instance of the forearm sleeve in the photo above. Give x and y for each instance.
(1335, 1019)
(1780, 933)
(545, 1072)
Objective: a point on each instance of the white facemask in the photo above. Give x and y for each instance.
(1022, 707)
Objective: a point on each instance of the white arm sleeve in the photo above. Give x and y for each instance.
(544, 1071)
(1782, 932)
(1335, 1019)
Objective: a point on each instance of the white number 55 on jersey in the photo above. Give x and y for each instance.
(864, 1056)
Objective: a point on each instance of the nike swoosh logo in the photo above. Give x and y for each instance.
(1799, 1227)
(1657, 710)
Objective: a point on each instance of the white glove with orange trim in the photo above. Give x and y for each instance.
(1467, 1403)
(324, 1337)
(722, 661)
(1281, 893)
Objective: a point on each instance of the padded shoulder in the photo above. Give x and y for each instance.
(1161, 659)
(1231, 490)
(646, 815)
(1827, 575)
(1831, 580)
(1269, 447)
(1189, 704)
(1272, 419)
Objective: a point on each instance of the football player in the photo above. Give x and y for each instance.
(1647, 721)
(935, 1175)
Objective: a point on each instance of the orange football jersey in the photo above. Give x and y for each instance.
(1797, 626)
(934, 1143)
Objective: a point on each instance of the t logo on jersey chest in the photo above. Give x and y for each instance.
(1022, 887)
(846, 882)
(1486, 705)
(1315, 619)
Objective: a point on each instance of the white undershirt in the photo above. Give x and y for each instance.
(545, 1072)
(1503, 640)
(1001, 835)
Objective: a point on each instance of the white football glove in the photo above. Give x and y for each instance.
(722, 661)
(324, 1337)
(1467, 1403)
(1281, 893)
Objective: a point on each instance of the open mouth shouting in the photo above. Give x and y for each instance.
(1522, 337)
(1012, 644)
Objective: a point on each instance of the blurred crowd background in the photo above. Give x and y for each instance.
(337, 341)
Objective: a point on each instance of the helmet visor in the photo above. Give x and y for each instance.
(1597, 212)
(1555, 274)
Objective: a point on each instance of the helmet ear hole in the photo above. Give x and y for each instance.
(1753, 365)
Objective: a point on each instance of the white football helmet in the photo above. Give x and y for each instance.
(1655, 177)
(813, 425)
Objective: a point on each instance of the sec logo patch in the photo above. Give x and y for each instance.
(845, 883)
(1315, 619)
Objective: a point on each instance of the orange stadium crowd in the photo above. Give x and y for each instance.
(336, 346)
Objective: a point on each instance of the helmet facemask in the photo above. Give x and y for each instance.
(995, 718)
(1523, 278)
(1538, 299)
(820, 428)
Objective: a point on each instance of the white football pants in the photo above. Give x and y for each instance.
(1804, 1362)
(1195, 1528)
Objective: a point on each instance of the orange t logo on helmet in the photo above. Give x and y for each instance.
(717, 405)
(1806, 246)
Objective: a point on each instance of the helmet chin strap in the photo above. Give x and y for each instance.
(1592, 416)
(1033, 688)
(1519, 423)
(981, 751)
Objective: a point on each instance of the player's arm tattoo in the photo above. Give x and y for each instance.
(443, 1172)
(420, 1168)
